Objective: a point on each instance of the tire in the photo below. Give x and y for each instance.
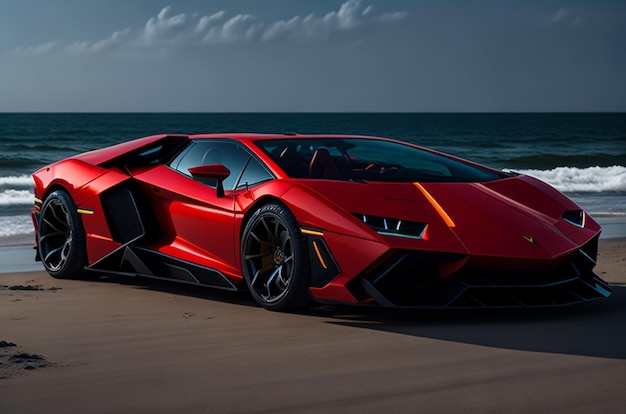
(61, 237)
(274, 259)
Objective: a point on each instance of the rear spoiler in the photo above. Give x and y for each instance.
(110, 155)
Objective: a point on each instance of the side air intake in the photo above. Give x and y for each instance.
(122, 215)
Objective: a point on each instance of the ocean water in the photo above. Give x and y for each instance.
(581, 154)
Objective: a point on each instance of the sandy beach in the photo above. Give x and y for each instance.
(130, 345)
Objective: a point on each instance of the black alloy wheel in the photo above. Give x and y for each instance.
(275, 260)
(61, 237)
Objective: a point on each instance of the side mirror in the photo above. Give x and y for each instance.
(217, 172)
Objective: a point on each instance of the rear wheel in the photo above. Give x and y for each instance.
(274, 259)
(61, 237)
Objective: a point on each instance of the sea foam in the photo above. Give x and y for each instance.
(16, 181)
(16, 191)
(591, 179)
(14, 225)
(16, 197)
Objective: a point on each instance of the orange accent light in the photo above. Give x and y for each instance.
(436, 205)
(319, 255)
(311, 232)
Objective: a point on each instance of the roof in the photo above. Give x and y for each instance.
(287, 135)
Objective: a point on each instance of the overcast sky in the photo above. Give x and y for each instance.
(317, 55)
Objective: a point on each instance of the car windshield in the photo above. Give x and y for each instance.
(362, 159)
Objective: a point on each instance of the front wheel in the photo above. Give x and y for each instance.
(274, 259)
(61, 237)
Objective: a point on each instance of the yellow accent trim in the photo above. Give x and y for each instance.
(84, 211)
(436, 205)
(38, 200)
(319, 255)
(311, 232)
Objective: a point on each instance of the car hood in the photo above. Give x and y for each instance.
(515, 217)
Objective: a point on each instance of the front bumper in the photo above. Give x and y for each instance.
(409, 279)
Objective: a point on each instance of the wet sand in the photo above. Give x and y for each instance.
(131, 345)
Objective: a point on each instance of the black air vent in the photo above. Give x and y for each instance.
(411, 279)
(575, 217)
(122, 215)
(392, 226)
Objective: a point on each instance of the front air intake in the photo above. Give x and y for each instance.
(411, 280)
(393, 227)
(575, 217)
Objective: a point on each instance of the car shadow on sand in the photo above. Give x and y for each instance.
(183, 289)
(595, 329)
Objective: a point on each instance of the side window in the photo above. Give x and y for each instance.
(234, 158)
(204, 152)
(253, 174)
(190, 158)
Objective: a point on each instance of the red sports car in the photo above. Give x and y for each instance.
(299, 219)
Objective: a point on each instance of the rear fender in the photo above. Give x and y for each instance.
(86, 183)
(70, 174)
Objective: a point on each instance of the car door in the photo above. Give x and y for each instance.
(201, 225)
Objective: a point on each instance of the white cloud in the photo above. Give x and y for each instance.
(163, 27)
(207, 21)
(351, 14)
(348, 15)
(238, 28)
(566, 17)
(560, 15)
(100, 46)
(166, 30)
(34, 50)
(282, 28)
(392, 17)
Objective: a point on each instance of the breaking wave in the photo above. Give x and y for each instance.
(16, 197)
(15, 225)
(16, 191)
(16, 181)
(583, 180)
